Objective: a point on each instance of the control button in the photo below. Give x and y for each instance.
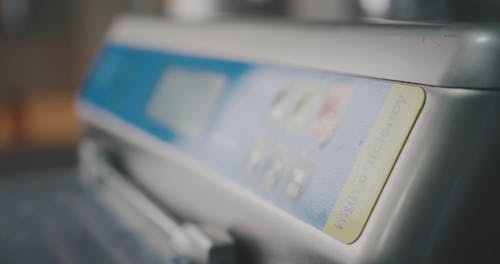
(300, 174)
(292, 191)
(305, 107)
(275, 167)
(298, 180)
(273, 172)
(280, 105)
(256, 157)
(253, 163)
(328, 117)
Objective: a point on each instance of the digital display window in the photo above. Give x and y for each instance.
(183, 100)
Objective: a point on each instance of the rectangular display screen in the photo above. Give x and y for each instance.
(183, 100)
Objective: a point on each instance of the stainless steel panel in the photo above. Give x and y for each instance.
(460, 55)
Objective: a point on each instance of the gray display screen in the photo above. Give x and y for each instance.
(183, 100)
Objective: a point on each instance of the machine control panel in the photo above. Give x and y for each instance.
(317, 145)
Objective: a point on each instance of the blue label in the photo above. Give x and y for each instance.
(289, 135)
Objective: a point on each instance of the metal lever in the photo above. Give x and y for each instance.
(193, 244)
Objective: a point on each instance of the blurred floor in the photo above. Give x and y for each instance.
(48, 216)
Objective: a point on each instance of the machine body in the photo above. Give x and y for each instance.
(309, 143)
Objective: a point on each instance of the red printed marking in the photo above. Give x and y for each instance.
(330, 112)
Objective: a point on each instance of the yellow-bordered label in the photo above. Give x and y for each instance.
(375, 162)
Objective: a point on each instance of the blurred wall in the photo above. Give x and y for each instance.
(46, 47)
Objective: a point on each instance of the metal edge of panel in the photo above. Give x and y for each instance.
(447, 160)
(454, 55)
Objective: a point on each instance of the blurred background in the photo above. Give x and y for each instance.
(47, 46)
(46, 49)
